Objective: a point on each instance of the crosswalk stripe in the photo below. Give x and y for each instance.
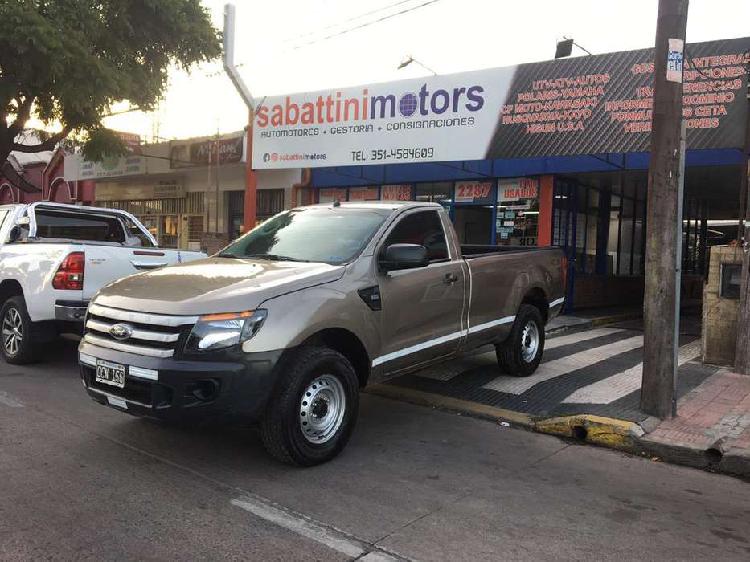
(563, 366)
(623, 383)
(560, 341)
(447, 371)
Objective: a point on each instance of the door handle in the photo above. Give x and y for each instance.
(450, 278)
(147, 265)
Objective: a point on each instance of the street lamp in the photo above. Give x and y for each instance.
(410, 59)
(565, 48)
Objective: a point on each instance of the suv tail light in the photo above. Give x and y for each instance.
(69, 275)
(564, 273)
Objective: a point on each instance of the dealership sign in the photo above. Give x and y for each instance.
(586, 105)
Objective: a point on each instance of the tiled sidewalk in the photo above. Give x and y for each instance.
(713, 418)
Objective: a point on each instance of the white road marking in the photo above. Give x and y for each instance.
(563, 366)
(623, 383)
(560, 341)
(451, 369)
(311, 529)
(9, 401)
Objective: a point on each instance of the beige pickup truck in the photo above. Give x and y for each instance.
(286, 324)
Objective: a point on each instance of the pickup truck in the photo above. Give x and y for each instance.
(54, 257)
(284, 326)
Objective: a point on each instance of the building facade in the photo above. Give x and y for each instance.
(188, 193)
(546, 153)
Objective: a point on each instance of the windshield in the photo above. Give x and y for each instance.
(325, 234)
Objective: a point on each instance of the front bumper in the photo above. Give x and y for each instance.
(235, 386)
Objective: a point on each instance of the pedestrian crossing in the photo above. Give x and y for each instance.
(595, 369)
(567, 364)
(623, 383)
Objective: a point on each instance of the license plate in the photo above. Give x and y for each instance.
(110, 373)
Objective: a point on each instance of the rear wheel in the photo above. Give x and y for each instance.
(520, 354)
(313, 411)
(16, 332)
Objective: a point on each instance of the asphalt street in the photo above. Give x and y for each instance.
(81, 481)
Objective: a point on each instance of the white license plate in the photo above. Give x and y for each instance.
(110, 373)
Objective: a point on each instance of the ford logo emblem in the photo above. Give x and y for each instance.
(121, 331)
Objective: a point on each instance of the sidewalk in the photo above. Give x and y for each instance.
(712, 427)
(588, 388)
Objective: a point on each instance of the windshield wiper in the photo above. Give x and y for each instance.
(227, 255)
(273, 257)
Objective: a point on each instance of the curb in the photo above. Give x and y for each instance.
(604, 320)
(450, 404)
(597, 430)
(613, 433)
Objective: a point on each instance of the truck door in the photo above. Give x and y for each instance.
(421, 307)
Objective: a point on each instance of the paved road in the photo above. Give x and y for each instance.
(80, 481)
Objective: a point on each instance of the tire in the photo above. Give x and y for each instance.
(16, 332)
(520, 354)
(306, 423)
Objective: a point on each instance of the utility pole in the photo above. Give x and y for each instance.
(742, 349)
(661, 301)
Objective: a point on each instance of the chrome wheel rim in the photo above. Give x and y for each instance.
(322, 409)
(12, 331)
(529, 341)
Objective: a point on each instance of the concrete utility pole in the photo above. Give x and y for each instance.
(251, 178)
(661, 305)
(742, 349)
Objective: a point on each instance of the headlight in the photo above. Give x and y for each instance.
(218, 331)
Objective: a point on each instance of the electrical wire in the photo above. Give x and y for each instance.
(342, 22)
(366, 24)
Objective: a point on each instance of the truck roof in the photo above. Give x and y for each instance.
(382, 205)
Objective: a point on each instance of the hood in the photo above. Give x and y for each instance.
(214, 285)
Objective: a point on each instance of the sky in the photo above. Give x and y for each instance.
(287, 46)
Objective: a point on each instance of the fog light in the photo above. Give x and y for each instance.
(205, 390)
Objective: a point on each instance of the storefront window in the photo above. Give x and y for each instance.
(604, 226)
(517, 220)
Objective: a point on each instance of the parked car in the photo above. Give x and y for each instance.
(287, 323)
(54, 257)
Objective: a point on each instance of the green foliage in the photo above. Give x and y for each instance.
(68, 61)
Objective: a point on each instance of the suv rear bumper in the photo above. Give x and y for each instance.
(237, 386)
(70, 311)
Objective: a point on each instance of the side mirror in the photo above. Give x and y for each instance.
(15, 234)
(404, 256)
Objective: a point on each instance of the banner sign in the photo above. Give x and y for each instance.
(473, 192)
(517, 188)
(398, 192)
(585, 105)
(190, 154)
(76, 168)
(363, 194)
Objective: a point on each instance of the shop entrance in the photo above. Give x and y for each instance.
(472, 224)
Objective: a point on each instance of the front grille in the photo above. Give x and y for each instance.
(154, 335)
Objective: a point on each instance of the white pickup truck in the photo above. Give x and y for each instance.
(55, 257)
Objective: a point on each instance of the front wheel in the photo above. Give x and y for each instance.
(312, 412)
(16, 330)
(521, 353)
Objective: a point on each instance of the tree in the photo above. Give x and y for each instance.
(65, 62)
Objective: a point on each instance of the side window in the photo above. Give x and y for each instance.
(424, 228)
(135, 234)
(78, 226)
